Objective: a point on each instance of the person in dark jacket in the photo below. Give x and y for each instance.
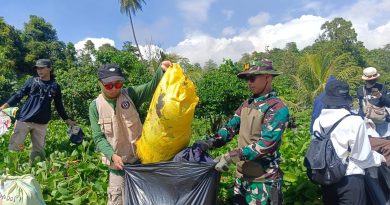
(318, 104)
(373, 99)
(35, 114)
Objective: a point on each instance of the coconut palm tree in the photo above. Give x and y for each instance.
(129, 7)
(315, 69)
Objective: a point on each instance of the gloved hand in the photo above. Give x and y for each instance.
(205, 144)
(225, 160)
(376, 93)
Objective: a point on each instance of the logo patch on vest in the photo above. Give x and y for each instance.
(125, 104)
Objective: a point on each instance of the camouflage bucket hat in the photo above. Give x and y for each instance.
(43, 63)
(258, 67)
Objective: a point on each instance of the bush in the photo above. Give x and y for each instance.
(69, 174)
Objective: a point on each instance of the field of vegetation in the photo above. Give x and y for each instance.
(73, 174)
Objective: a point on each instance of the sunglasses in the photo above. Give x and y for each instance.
(40, 68)
(251, 78)
(117, 85)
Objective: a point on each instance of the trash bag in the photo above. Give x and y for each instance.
(20, 190)
(173, 183)
(167, 127)
(76, 134)
(376, 185)
(193, 154)
(11, 111)
(5, 123)
(374, 192)
(5, 119)
(384, 178)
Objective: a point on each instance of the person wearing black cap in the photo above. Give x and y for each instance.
(350, 141)
(260, 123)
(116, 124)
(318, 105)
(35, 114)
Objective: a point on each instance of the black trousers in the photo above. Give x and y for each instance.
(349, 191)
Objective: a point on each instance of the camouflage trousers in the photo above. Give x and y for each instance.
(257, 193)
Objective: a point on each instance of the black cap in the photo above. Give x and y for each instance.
(43, 63)
(109, 73)
(337, 94)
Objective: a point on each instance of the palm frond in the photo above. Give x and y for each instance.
(131, 6)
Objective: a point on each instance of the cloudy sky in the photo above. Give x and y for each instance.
(205, 29)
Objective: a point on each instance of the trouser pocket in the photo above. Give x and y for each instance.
(115, 196)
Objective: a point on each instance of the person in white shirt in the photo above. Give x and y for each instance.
(351, 143)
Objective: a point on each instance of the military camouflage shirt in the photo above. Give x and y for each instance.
(266, 150)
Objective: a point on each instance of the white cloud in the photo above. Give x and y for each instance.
(259, 20)
(303, 31)
(194, 11)
(96, 41)
(370, 19)
(227, 13)
(228, 31)
(374, 38)
(200, 47)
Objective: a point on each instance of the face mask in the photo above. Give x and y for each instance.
(370, 83)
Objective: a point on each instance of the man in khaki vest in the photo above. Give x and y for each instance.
(260, 122)
(116, 124)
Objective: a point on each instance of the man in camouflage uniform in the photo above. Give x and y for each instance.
(260, 122)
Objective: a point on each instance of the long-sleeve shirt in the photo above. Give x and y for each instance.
(265, 150)
(37, 107)
(350, 134)
(138, 94)
(384, 100)
(318, 105)
(383, 129)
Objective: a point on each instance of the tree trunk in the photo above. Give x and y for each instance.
(135, 38)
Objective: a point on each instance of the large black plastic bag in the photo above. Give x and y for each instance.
(384, 178)
(193, 154)
(378, 188)
(171, 183)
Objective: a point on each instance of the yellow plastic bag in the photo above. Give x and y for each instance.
(167, 128)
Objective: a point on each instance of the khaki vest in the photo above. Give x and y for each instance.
(122, 127)
(250, 129)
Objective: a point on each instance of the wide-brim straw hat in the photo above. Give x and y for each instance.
(370, 73)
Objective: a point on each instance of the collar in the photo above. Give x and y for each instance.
(112, 100)
(264, 97)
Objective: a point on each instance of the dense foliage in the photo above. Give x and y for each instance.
(70, 174)
(74, 175)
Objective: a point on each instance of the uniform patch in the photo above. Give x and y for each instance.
(125, 104)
